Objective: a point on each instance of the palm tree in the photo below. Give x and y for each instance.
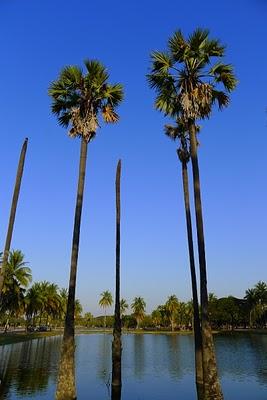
(172, 307)
(17, 277)
(138, 306)
(78, 100)
(180, 132)
(105, 301)
(12, 216)
(186, 83)
(34, 300)
(116, 343)
(123, 306)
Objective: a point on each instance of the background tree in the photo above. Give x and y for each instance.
(17, 277)
(186, 79)
(78, 100)
(138, 307)
(105, 301)
(172, 307)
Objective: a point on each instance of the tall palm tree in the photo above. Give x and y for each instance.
(180, 133)
(172, 307)
(78, 100)
(188, 83)
(116, 343)
(105, 301)
(13, 212)
(138, 306)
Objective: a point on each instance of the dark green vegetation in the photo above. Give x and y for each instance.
(189, 79)
(79, 99)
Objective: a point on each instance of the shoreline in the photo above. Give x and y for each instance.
(22, 336)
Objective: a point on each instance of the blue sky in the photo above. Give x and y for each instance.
(37, 40)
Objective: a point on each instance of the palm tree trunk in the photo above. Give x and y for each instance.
(13, 211)
(212, 388)
(196, 319)
(66, 389)
(116, 344)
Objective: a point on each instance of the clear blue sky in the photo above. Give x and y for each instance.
(37, 40)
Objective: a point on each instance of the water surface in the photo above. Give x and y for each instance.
(155, 367)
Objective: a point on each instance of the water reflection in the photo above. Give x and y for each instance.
(27, 367)
(154, 367)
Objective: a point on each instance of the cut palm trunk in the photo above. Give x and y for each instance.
(116, 344)
(66, 388)
(196, 319)
(212, 388)
(13, 212)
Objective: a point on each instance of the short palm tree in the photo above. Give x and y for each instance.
(172, 307)
(105, 301)
(138, 306)
(17, 278)
(188, 83)
(79, 100)
(123, 306)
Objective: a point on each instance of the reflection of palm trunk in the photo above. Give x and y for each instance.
(66, 389)
(116, 392)
(116, 344)
(196, 320)
(211, 381)
(13, 212)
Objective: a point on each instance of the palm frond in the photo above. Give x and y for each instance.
(171, 131)
(224, 73)
(109, 115)
(220, 98)
(161, 62)
(177, 46)
(113, 94)
(71, 76)
(198, 39)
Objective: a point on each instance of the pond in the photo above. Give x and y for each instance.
(155, 367)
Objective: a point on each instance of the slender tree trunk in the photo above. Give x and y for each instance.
(196, 319)
(13, 212)
(212, 388)
(116, 344)
(66, 389)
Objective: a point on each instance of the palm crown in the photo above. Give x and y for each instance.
(186, 80)
(80, 98)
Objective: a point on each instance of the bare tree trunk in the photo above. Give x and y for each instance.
(212, 388)
(13, 212)
(116, 344)
(196, 319)
(66, 389)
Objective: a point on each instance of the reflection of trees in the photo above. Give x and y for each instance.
(259, 346)
(28, 366)
(104, 359)
(174, 359)
(115, 392)
(139, 355)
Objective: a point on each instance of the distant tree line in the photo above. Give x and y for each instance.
(44, 303)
